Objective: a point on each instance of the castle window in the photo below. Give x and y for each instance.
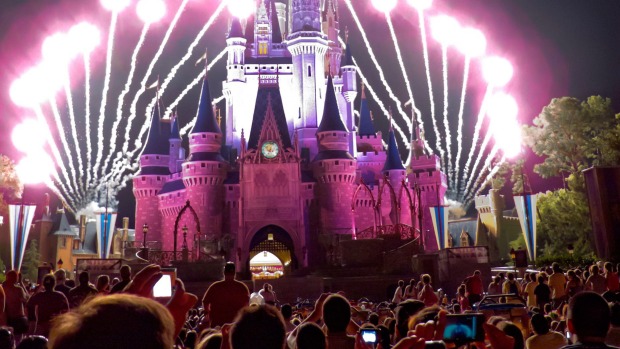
(337, 162)
(309, 71)
(158, 178)
(63, 242)
(202, 164)
(157, 158)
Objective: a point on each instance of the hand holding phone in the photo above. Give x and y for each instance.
(464, 328)
(165, 286)
(370, 335)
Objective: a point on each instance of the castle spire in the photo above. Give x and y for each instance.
(276, 31)
(366, 126)
(205, 119)
(154, 143)
(392, 160)
(331, 114)
(236, 31)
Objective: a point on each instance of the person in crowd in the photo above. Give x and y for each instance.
(411, 291)
(474, 288)
(613, 335)
(528, 290)
(543, 337)
(512, 330)
(7, 340)
(287, 314)
(125, 279)
(2, 306)
(542, 292)
(257, 327)
(103, 284)
(588, 320)
(462, 299)
(268, 294)
(16, 299)
(613, 284)
(574, 284)
(47, 305)
(399, 293)
(337, 317)
(33, 342)
(311, 336)
(557, 283)
(596, 282)
(511, 286)
(211, 341)
(83, 291)
(427, 294)
(61, 278)
(223, 299)
(495, 287)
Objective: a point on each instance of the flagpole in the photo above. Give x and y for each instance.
(105, 224)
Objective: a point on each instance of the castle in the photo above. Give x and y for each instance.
(291, 167)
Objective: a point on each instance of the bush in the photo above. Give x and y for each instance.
(566, 261)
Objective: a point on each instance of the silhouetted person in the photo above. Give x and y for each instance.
(81, 292)
(61, 278)
(588, 318)
(125, 279)
(47, 305)
(258, 327)
(223, 299)
(16, 298)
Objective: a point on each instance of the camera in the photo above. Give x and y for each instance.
(370, 335)
(165, 286)
(464, 328)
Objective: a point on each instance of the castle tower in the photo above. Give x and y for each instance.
(348, 78)
(176, 152)
(235, 83)
(154, 169)
(395, 172)
(370, 154)
(427, 175)
(281, 13)
(334, 169)
(205, 170)
(308, 46)
(331, 28)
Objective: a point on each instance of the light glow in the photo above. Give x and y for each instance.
(151, 11)
(444, 29)
(502, 106)
(84, 37)
(115, 5)
(421, 5)
(472, 42)
(385, 6)
(34, 168)
(28, 136)
(54, 49)
(241, 8)
(497, 71)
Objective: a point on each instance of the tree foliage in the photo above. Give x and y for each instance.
(30, 263)
(10, 186)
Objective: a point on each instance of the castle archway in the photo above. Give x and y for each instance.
(269, 243)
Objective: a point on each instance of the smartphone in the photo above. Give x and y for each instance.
(434, 345)
(165, 286)
(370, 335)
(464, 328)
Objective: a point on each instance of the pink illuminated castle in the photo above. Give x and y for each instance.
(291, 167)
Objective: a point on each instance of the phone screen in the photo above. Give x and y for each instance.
(464, 328)
(369, 335)
(163, 287)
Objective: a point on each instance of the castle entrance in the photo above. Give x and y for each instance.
(271, 253)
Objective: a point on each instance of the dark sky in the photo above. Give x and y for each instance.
(558, 47)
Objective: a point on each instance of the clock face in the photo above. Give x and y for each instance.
(269, 150)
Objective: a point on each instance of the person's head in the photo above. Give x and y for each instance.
(70, 283)
(477, 272)
(513, 331)
(556, 267)
(426, 279)
(456, 309)
(412, 282)
(571, 274)
(258, 327)
(212, 341)
(548, 308)
(511, 276)
(49, 282)
(11, 277)
(497, 279)
(461, 290)
(594, 269)
(61, 276)
(114, 322)
(541, 279)
(609, 267)
(615, 314)
(588, 316)
(103, 281)
(310, 336)
(404, 311)
(33, 342)
(401, 283)
(229, 270)
(532, 277)
(540, 325)
(501, 275)
(287, 311)
(126, 273)
(373, 318)
(190, 339)
(6, 338)
(336, 313)
(83, 278)
(266, 287)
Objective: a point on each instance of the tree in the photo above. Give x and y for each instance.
(10, 190)
(30, 263)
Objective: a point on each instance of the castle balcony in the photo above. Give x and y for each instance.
(153, 160)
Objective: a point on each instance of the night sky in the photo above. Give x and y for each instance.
(558, 48)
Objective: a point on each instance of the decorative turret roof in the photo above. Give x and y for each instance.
(235, 29)
(268, 96)
(331, 113)
(156, 143)
(392, 160)
(366, 126)
(174, 129)
(347, 58)
(276, 31)
(205, 120)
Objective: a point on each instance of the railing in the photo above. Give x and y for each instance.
(165, 258)
(402, 231)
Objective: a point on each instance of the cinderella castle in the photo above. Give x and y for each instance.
(291, 169)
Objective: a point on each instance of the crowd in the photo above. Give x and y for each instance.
(579, 308)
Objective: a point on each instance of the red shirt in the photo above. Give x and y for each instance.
(613, 284)
(224, 299)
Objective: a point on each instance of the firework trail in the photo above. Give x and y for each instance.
(194, 82)
(74, 133)
(89, 147)
(487, 180)
(55, 152)
(121, 97)
(478, 127)
(459, 137)
(134, 104)
(104, 97)
(378, 66)
(430, 82)
(190, 50)
(63, 139)
(487, 163)
(447, 160)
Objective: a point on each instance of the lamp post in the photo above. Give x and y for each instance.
(145, 250)
(184, 249)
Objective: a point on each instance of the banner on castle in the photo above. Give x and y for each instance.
(105, 231)
(439, 215)
(20, 218)
(526, 209)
